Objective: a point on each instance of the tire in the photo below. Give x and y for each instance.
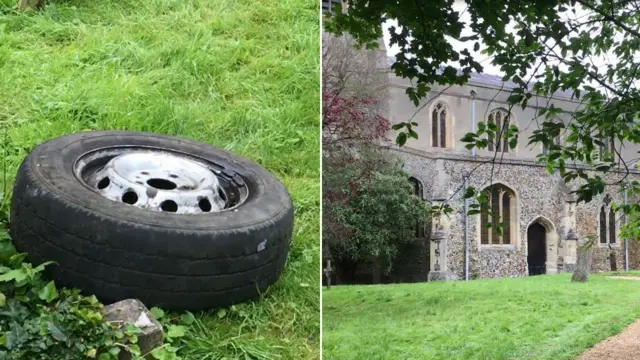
(118, 251)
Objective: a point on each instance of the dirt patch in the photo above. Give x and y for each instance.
(626, 277)
(624, 346)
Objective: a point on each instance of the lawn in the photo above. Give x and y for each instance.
(237, 74)
(542, 317)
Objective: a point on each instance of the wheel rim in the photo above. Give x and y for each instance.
(161, 180)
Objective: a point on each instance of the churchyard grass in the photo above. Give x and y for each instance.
(541, 317)
(237, 74)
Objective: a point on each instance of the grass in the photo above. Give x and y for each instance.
(541, 317)
(238, 74)
(634, 273)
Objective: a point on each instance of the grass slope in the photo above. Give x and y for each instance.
(237, 74)
(542, 317)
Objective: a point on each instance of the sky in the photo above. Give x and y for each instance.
(460, 6)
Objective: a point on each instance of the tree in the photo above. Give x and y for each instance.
(377, 215)
(352, 107)
(540, 46)
(368, 208)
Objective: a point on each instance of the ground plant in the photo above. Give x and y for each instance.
(240, 75)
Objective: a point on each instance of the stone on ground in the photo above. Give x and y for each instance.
(133, 311)
(31, 5)
(583, 264)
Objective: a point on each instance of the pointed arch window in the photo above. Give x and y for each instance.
(417, 191)
(607, 222)
(501, 118)
(609, 149)
(556, 141)
(502, 203)
(439, 126)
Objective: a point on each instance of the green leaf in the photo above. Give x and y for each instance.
(41, 267)
(3, 300)
(114, 351)
(222, 313)
(49, 292)
(175, 331)
(164, 353)
(7, 250)
(513, 143)
(16, 259)
(104, 356)
(16, 275)
(398, 126)
(554, 155)
(56, 332)
(469, 192)
(515, 98)
(187, 318)
(131, 329)
(92, 353)
(157, 313)
(401, 139)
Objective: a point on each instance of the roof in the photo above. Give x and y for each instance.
(493, 80)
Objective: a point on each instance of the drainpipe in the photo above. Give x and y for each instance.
(466, 235)
(626, 242)
(473, 117)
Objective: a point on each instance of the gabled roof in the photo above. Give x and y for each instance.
(493, 80)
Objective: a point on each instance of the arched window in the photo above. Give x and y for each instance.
(501, 118)
(609, 149)
(502, 203)
(607, 222)
(417, 191)
(556, 141)
(439, 124)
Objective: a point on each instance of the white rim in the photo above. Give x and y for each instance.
(161, 182)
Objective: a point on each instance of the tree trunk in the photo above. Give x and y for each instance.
(377, 270)
(31, 5)
(583, 264)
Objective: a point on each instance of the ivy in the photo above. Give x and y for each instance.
(39, 321)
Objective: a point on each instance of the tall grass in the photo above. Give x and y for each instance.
(238, 74)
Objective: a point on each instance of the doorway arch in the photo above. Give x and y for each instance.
(537, 249)
(542, 241)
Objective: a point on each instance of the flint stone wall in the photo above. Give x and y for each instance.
(541, 197)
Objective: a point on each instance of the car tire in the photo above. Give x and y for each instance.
(117, 251)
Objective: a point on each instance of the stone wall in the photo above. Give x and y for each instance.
(540, 197)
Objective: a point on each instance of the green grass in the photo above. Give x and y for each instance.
(238, 74)
(635, 273)
(541, 317)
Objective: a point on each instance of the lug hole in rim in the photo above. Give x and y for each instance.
(130, 197)
(222, 194)
(204, 204)
(162, 184)
(169, 206)
(104, 183)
